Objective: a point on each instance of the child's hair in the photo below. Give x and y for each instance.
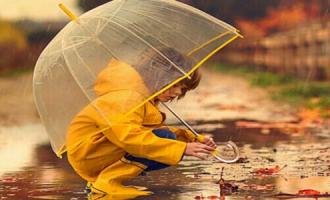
(185, 63)
(190, 84)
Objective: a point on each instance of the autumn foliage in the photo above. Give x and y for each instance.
(13, 46)
(282, 17)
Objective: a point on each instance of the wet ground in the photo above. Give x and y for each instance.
(30, 170)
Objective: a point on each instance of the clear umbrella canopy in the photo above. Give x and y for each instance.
(146, 35)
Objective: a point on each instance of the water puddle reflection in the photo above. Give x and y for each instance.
(29, 168)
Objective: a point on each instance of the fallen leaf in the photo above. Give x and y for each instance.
(213, 197)
(268, 171)
(308, 192)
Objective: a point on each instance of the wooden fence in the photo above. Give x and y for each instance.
(303, 51)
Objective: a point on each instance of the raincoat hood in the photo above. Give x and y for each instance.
(119, 76)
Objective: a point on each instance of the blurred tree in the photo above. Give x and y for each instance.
(253, 17)
(41, 36)
(13, 46)
(286, 15)
(227, 10)
(86, 5)
(13, 35)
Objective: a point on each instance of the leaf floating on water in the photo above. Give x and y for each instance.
(307, 118)
(308, 192)
(199, 197)
(211, 197)
(268, 171)
(310, 116)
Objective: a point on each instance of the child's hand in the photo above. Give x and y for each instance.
(194, 148)
(209, 141)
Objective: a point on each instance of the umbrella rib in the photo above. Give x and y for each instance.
(76, 79)
(170, 9)
(137, 29)
(98, 27)
(92, 37)
(158, 21)
(82, 88)
(60, 51)
(85, 64)
(208, 42)
(192, 51)
(97, 40)
(79, 39)
(149, 45)
(112, 16)
(197, 12)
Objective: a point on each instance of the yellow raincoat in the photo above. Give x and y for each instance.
(92, 145)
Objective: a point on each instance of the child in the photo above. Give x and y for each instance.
(106, 157)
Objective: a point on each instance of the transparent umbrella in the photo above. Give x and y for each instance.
(130, 31)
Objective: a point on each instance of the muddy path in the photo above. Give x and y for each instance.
(16, 100)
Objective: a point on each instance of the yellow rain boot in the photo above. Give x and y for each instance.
(110, 180)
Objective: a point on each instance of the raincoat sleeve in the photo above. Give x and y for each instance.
(129, 134)
(182, 134)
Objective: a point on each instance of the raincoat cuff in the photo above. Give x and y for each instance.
(190, 136)
(178, 154)
(183, 152)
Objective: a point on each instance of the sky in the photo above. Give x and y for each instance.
(35, 9)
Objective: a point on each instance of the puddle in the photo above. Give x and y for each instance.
(29, 168)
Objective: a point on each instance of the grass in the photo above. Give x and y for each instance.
(256, 77)
(15, 72)
(312, 94)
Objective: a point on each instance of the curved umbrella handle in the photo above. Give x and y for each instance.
(216, 154)
(233, 147)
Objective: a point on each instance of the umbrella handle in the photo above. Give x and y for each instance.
(183, 122)
(200, 138)
(68, 12)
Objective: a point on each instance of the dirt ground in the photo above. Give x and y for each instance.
(218, 97)
(221, 96)
(17, 106)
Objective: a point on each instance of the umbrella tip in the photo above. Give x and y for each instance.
(70, 14)
(239, 34)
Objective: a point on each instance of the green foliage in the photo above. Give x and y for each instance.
(15, 72)
(308, 90)
(303, 93)
(256, 77)
(325, 102)
(283, 87)
(266, 79)
(232, 69)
